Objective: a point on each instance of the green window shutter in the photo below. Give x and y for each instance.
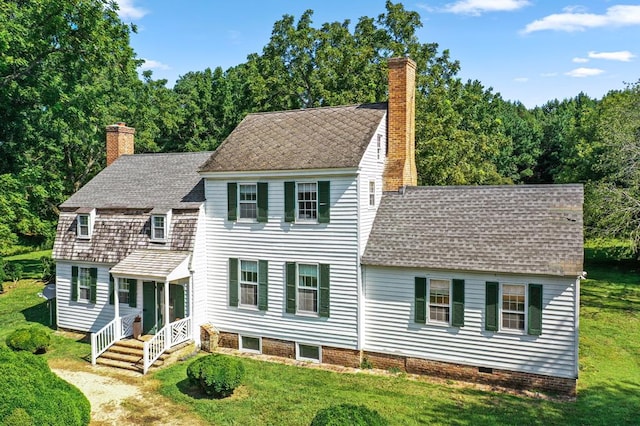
(289, 201)
(457, 317)
(325, 297)
(291, 288)
(263, 201)
(93, 272)
(233, 282)
(133, 288)
(111, 289)
(324, 201)
(232, 201)
(420, 304)
(74, 283)
(491, 306)
(535, 309)
(263, 285)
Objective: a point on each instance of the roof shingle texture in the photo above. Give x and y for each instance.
(145, 181)
(314, 138)
(520, 229)
(118, 233)
(150, 262)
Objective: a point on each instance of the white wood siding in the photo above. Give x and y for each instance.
(390, 326)
(197, 301)
(278, 242)
(371, 168)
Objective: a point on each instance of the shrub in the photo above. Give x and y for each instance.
(3, 275)
(32, 394)
(35, 339)
(216, 375)
(348, 414)
(13, 271)
(48, 269)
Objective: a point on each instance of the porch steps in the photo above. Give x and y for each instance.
(127, 354)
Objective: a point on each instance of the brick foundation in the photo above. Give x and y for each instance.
(209, 338)
(228, 340)
(339, 356)
(385, 361)
(277, 347)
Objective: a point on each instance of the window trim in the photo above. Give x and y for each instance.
(84, 272)
(299, 219)
(299, 357)
(372, 194)
(502, 311)
(449, 305)
(241, 347)
(380, 157)
(165, 230)
(121, 291)
(315, 312)
(256, 284)
(254, 202)
(79, 226)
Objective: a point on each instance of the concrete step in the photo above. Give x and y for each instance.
(127, 354)
(118, 364)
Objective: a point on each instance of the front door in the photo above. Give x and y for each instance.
(153, 306)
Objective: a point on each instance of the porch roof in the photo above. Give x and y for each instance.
(154, 264)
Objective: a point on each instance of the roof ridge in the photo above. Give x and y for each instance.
(156, 154)
(315, 108)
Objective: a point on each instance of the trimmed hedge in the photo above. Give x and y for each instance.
(35, 339)
(33, 394)
(216, 375)
(348, 414)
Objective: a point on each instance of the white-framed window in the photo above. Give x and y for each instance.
(249, 283)
(372, 193)
(84, 284)
(124, 291)
(84, 226)
(307, 281)
(250, 344)
(439, 301)
(248, 201)
(158, 227)
(306, 352)
(307, 201)
(379, 147)
(512, 307)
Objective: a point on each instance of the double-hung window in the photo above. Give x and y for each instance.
(248, 201)
(248, 283)
(511, 307)
(307, 199)
(84, 226)
(439, 301)
(308, 288)
(372, 193)
(158, 227)
(439, 307)
(84, 284)
(307, 202)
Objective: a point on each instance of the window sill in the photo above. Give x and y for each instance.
(306, 314)
(83, 237)
(157, 241)
(248, 308)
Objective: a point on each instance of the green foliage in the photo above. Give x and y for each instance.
(216, 375)
(48, 269)
(35, 339)
(32, 394)
(3, 275)
(348, 414)
(366, 364)
(13, 271)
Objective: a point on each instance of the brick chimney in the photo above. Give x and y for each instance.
(119, 141)
(400, 169)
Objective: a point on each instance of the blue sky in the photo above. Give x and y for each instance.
(527, 50)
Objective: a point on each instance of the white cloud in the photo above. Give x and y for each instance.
(129, 11)
(548, 74)
(580, 60)
(521, 79)
(572, 20)
(584, 72)
(478, 7)
(622, 55)
(150, 64)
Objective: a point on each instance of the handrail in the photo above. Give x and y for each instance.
(168, 336)
(104, 338)
(180, 331)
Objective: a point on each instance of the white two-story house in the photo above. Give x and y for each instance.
(305, 236)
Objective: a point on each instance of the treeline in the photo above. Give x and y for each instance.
(67, 70)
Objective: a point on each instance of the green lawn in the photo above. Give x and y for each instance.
(31, 263)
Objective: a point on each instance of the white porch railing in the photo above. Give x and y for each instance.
(168, 336)
(109, 334)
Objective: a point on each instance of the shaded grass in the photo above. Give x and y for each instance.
(31, 264)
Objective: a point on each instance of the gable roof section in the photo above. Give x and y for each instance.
(314, 138)
(145, 181)
(521, 229)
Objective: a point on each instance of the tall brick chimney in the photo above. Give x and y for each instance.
(119, 141)
(400, 169)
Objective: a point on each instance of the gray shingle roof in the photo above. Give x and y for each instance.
(145, 181)
(150, 263)
(117, 233)
(523, 229)
(315, 138)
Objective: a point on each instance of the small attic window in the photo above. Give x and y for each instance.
(84, 223)
(159, 227)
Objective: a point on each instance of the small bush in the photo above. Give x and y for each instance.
(48, 269)
(33, 394)
(34, 339)
(348, 414)
(13, 271)
(216, 375)
(3, 275)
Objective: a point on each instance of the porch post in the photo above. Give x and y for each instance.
(166, 301)
(116, 308)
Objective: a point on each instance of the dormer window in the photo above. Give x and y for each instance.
(84, 223)
(159, 227)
